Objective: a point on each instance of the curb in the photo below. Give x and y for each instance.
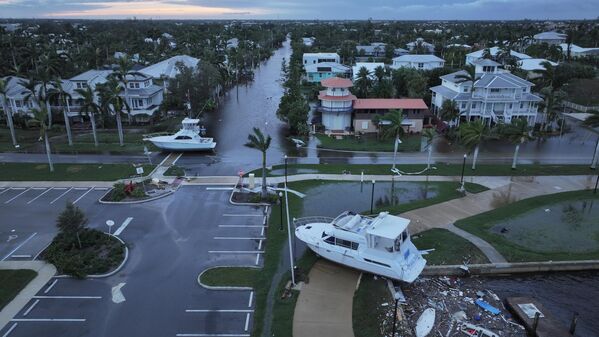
(135, 201)
(511, 268)
(118, 269)
(223, 287)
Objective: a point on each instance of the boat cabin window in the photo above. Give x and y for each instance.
(330, 240)
(183, 137)
(340, 242)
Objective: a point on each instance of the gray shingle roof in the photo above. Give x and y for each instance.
(418, 58)
(444, 91)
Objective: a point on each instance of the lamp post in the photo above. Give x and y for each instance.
(372, 197)
(396, 296)
(596, 183)
(286, 171)
(595, 156)
(281, 209)
(109, 223)
(462, 189)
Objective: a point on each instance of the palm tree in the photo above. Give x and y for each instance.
(449, 112)
(548, 74)
(63, 98)
(124, 70)
(89, 107)
(393, 127)
(41, 115)
(258, 141)
(552, 101)
(363, 82)
(518, 132)
(429, 134)
(9, 121)
(117, 102)
(469, 75)
(472, 134)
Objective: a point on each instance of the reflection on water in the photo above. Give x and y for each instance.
(565, 226)
(332, 198)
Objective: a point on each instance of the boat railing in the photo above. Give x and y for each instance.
(156, 134)
(311, 219)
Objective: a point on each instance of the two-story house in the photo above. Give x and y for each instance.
(321, 71)
(420, 62)
(498, 95)
(314, 58)
(89, 79)
(143, 96)
(494, 52)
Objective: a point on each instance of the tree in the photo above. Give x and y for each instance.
(114, 100)
(258, 141)
(71, 221)
(393, 127)
(363, 82)
(62, 97)
(429, 134)
(450, 112)
(125, 67)
(469, 75)
(417, 84)
(7, 111)
(552, 100)
(472, 134)
(518, 132)
(90, 108)
(547, 73)
(41, 116)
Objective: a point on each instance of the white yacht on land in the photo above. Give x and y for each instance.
(379, 245)
(186, 139)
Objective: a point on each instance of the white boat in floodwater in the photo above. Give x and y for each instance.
(379, 245)
(186, 139)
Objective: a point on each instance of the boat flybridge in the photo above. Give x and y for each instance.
(379, 245)
(186, 139)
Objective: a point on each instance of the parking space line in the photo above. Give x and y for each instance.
(81, 188)
(242, 215)
(237, 238)
(260, 245)
(241, 226)
(257, 259)
(235, 252)
(48, 320)
(31, 308)
(6, 190)
(44, 192)
(70, 297)
(243, 311)
(247, 321)
(84, 194)
(38, 188)
(19, 256)
(50, 286)
(16, 196)
(262, 231)
(10, 330)
(251, 298)
(101, 188)
(123, 226)
(60, 188)
(60, 196)
(212, 335)
(19, 246)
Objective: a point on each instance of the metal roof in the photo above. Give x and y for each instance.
(168, 67)
(389, 103)
(418, 58)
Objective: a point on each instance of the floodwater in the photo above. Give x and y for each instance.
(565, 226)
(332, 198)
(560, 293)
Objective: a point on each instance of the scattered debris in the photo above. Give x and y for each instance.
(476, 331)
(425, 322)
(487, 307)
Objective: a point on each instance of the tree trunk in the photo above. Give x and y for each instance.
(9, 121)
(78, 239)
(264, 175)
(67, 123)
(119, 126)
(92, 119)
(515, 161)
(48, 152)
(395, 146)
(595, 156)
(475, 157)
(127, 101)
(428, 159)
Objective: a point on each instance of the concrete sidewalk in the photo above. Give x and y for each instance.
(45, 272)
(324, 306)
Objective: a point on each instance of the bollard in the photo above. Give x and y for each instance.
(573, 323)
(535, 323)
(251, 181)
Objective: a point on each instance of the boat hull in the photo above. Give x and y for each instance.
(170, 145)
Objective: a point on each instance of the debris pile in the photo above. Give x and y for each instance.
(461, 308)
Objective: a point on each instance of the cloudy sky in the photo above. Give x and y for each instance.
(303, 9)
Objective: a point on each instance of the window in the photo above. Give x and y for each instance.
(473, 105)
(343, 243)
(18, 104)
(131, 85)
(330, 240)
(510, 106)
(463, 105)
(183, 137)
(495, 90)
(136, 85)
(521, 105)
(365, 125)
(465, 89)
(147, 83)
(420, 65)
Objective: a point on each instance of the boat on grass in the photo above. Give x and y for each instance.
(379, 245)
(186, 139)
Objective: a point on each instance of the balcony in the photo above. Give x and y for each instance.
(335, 110)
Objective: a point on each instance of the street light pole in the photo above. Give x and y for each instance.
(285, 171)
(462, 189)
(595, 156)
(289, 237)
(596, 183)
(372, 197)
(281, 208)
(396, 296)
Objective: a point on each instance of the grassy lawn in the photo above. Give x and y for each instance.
(481, 224)
(583, 91)
(67, 172)
(13, 281)
(450, 249)
(410, 143)
(367, 309)
(175, 171)
(442, 169)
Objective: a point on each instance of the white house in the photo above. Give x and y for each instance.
(313, 58)
(577, 51)
(532, 66)
(552, 38)
(308, 41)
(168, 69)
(143, 96)
(494, 51)
(321, 71)
(420, 42)
(336, 103)
(498, 95)
(370, 66)
(420, 62)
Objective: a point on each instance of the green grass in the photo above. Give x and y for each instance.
(583, 91)
(410, 143)
(175, 171)
(67, 172)
(367, 312)
(480, 224)
(13, 281)
(450, 249)
(442, 169)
